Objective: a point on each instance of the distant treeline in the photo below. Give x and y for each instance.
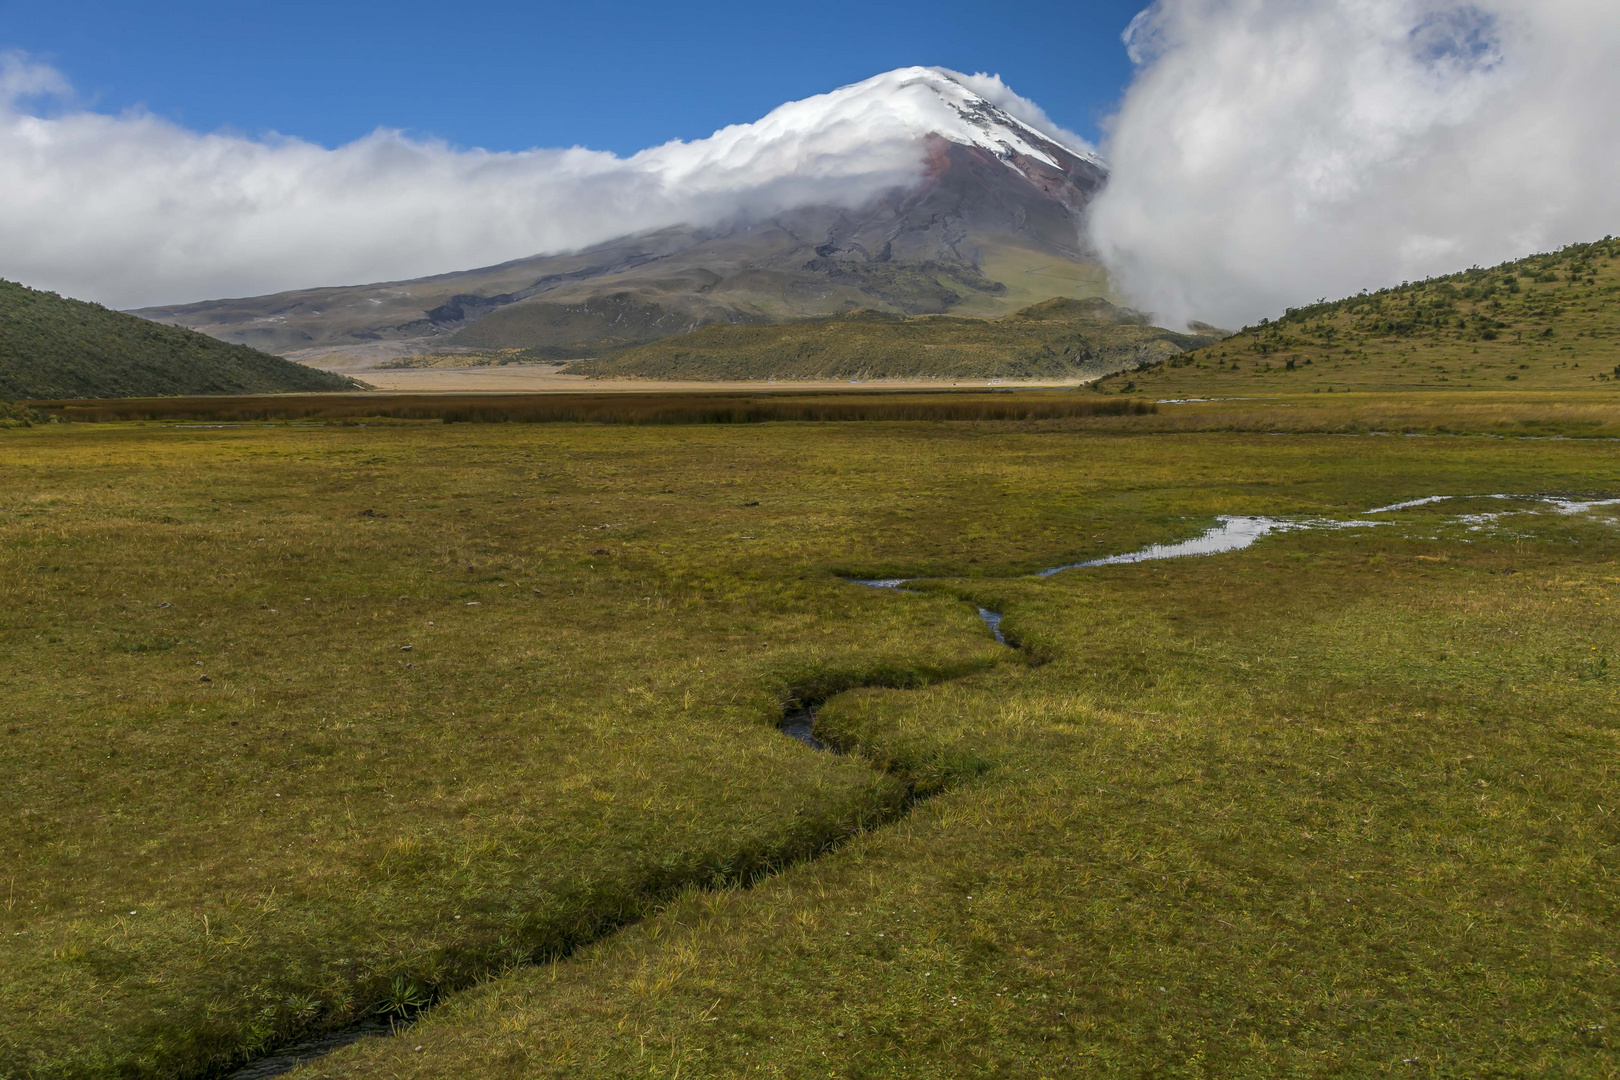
(615, 408)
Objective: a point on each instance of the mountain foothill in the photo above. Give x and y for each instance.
(1546, 322)
(56, 348)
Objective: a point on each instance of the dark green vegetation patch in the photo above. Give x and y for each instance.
(721, 407)
(52, 347)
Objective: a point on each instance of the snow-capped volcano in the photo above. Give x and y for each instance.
(855, 126)
(919, 190)
(134, 209)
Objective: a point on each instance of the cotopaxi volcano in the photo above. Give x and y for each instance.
(983, 216)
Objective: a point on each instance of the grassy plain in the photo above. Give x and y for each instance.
(1342, 804)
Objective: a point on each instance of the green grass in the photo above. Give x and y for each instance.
(1055, 339)
(1547, 322)
(1339, 801)
(1031, 276)
(52, 347)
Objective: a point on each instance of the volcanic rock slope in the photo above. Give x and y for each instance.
(992, 225)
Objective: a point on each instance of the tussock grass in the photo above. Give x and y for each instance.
(612, 408)
(1591, 414)
(13, 415)
(326, 816)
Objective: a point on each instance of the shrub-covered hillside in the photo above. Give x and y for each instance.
(53, 347)
(1051, 340)
(1546, 322)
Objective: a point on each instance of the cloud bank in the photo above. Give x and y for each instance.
(1271, 152)
(133, 210)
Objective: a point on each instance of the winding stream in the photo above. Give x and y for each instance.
(1229, 534)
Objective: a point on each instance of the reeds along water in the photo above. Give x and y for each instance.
(612, 408)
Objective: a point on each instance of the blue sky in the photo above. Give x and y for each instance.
(505, 75)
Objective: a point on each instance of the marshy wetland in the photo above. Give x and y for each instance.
(479, 726)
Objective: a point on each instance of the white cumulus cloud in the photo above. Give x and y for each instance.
(132, 209)
(1271, 152)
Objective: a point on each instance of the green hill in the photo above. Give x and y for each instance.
(52, 347)
(1055, 339)
(1547, 322)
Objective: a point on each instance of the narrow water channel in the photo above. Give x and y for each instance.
(290, 1057)
(801, 724)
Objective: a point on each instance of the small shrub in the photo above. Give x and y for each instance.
(15, 415)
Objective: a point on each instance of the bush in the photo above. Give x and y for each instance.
(13, 415)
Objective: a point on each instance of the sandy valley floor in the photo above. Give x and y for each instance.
(544, 377)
